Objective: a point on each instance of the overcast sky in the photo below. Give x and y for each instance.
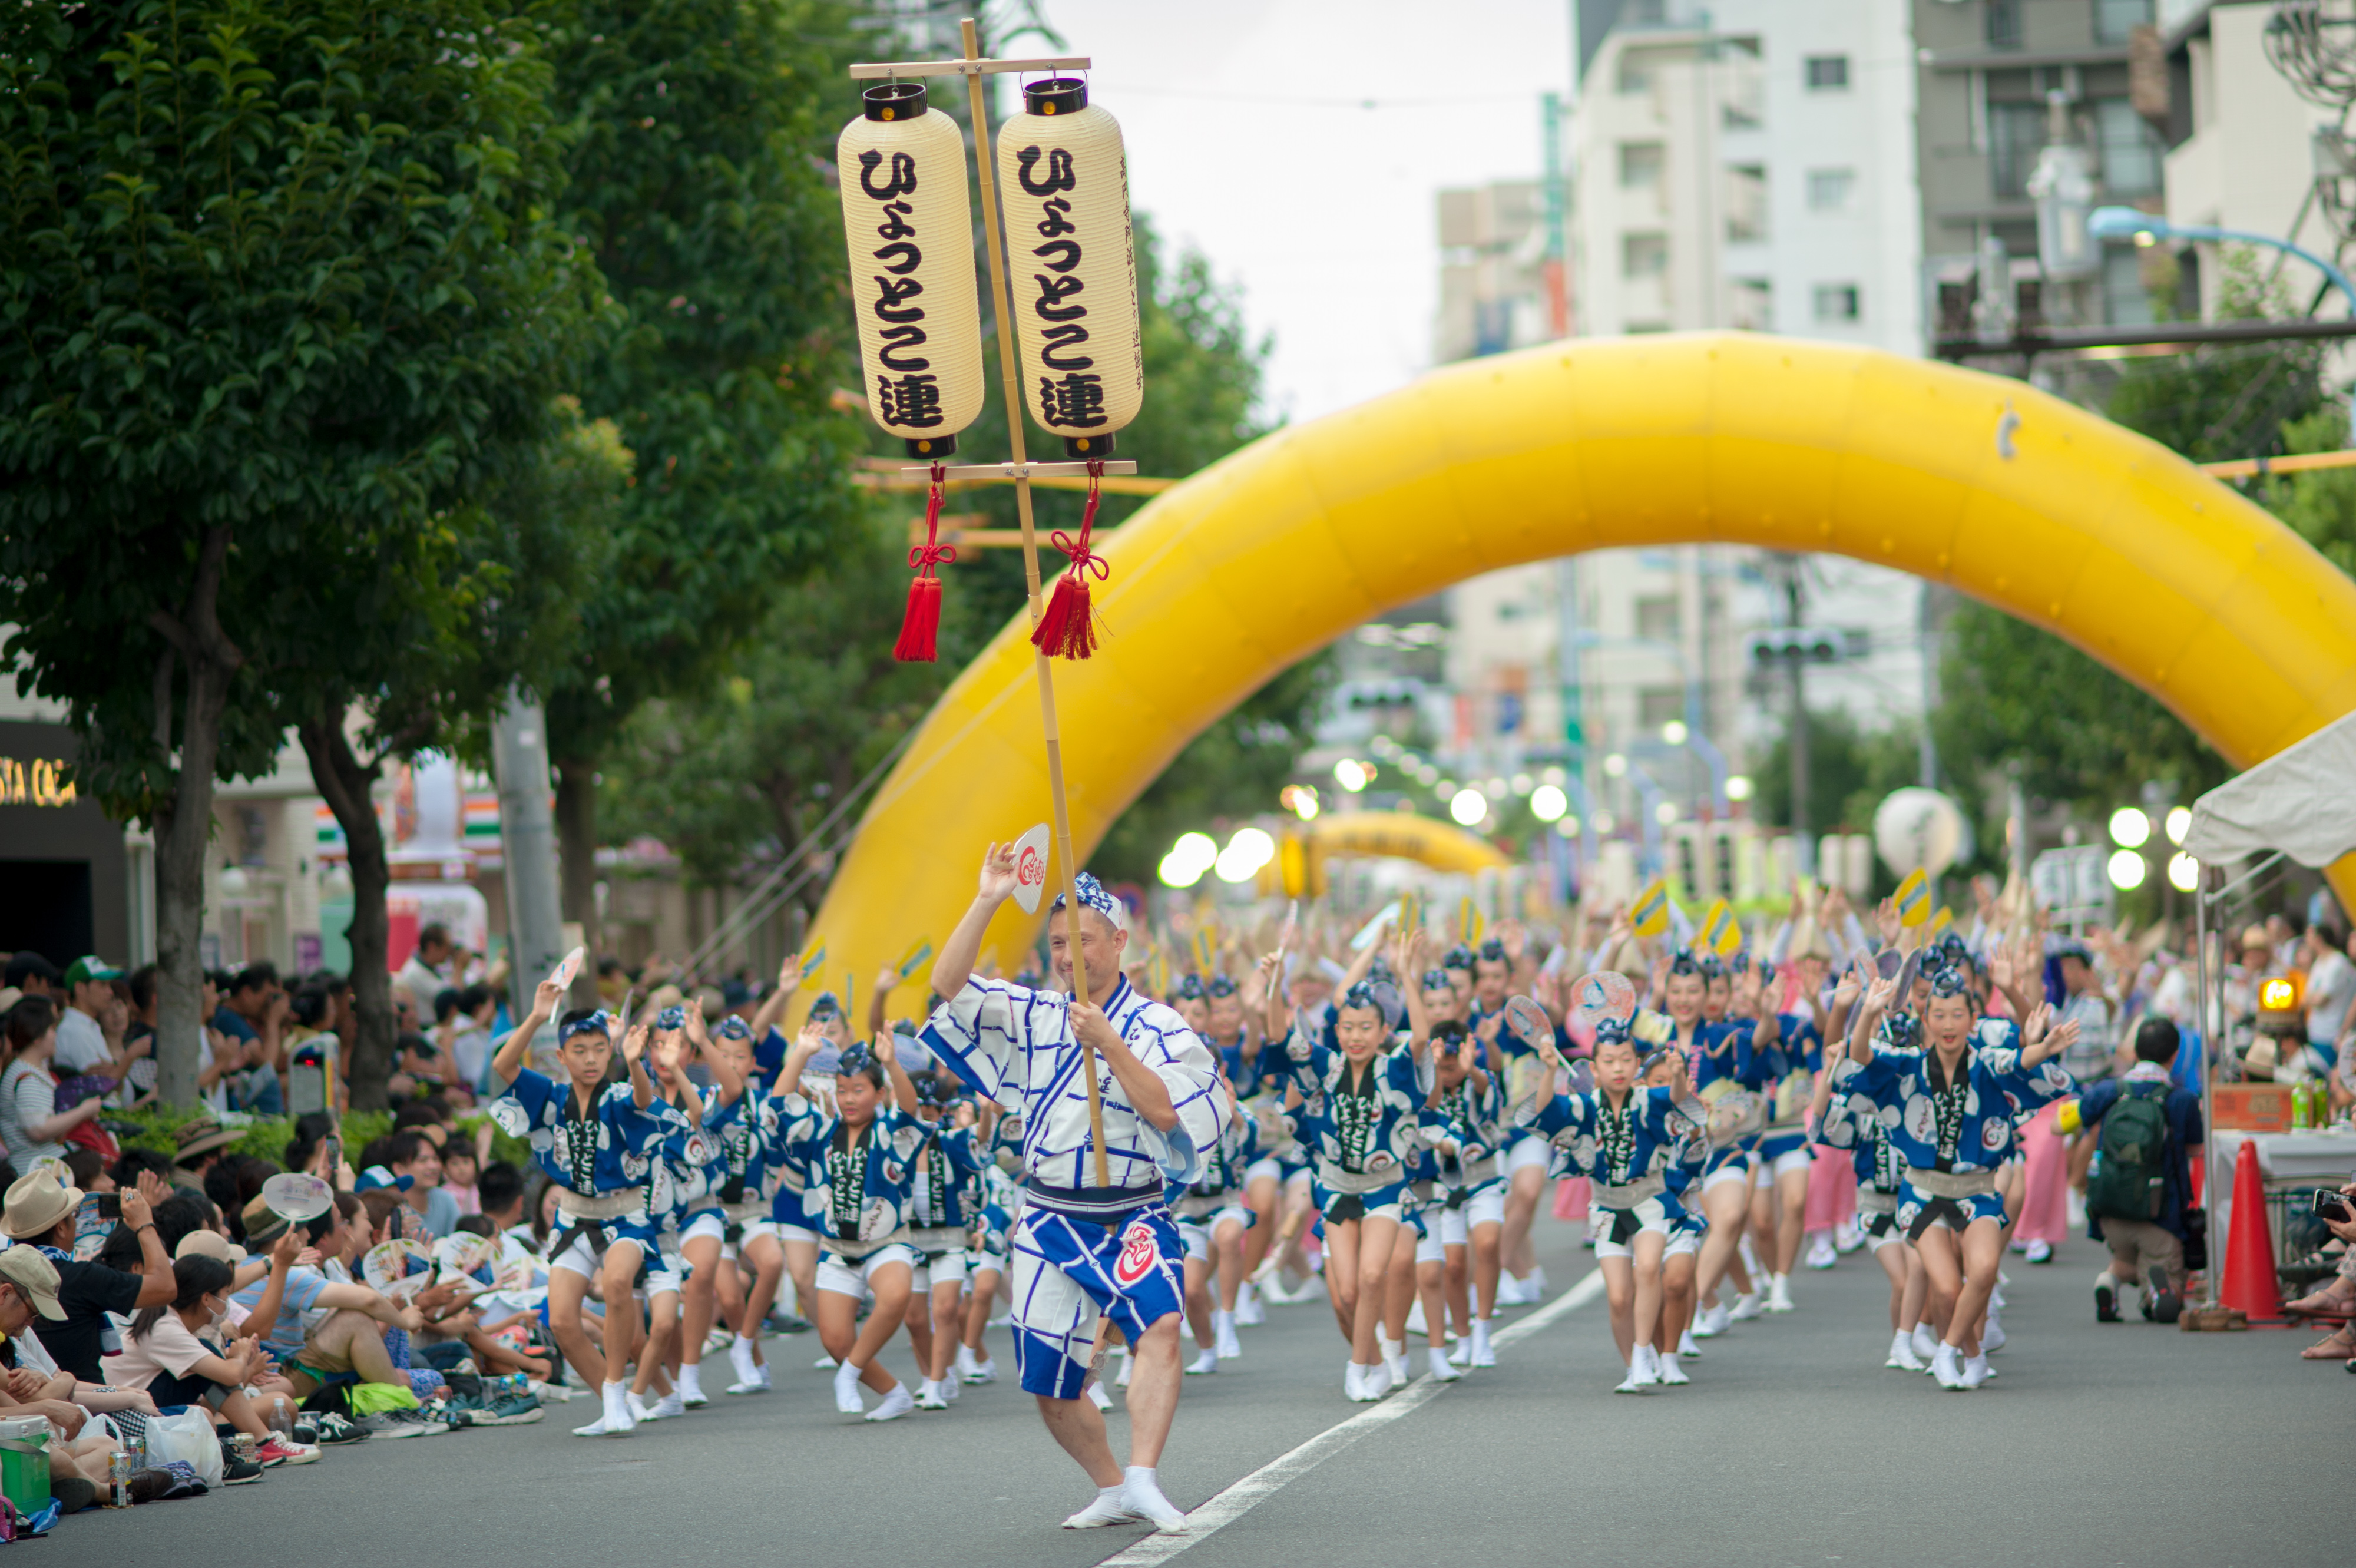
(1245, 142)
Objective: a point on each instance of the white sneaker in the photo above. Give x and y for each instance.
(846, 1390)
(1222, 1332)
(1746, 1307)
(1947, 1367)
(1902, 1354)
(1249, 1313)
(1098, 1398)
(1714, 1321)
(1820, 1251)
(896, 1404)
(2040, 1251)
(740, 1356)
(1926, 1344)
(928, 1396)
(1484, 1354)
(1672, 1375)
(1779, 1293)
(1975, 1372)
(982, 1371)
(1140, 1493)
(1107, 1510)
(1686, 1347)
(671, 1408)
(1443, 1370)
(1208, 1361)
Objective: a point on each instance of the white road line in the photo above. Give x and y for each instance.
(1248, 1494)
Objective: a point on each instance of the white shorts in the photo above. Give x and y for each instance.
(1266, 1169)
(666, 1276)
(784, 1230)
(1725, 1174)
(1296, 1184)
(1683, 1242)
(1432, 1247)
(709, 1222)
(1650, 1216)
(948, 1269)
(755, 1228)
(1197, 1233)
(851, 1276)
(1529, 1150)
(1766, 1174)
(581, 1259)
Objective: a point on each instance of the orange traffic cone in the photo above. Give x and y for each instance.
(2248, 1284)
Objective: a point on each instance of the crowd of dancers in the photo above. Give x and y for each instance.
(1380, 1132)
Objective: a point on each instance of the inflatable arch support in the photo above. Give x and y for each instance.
(2020, 500)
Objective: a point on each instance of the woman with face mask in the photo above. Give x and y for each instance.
(164, 1353)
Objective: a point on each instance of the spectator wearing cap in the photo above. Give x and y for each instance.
(195, 1146)
(31, 1126)
(39, 1213)
(82, 1047)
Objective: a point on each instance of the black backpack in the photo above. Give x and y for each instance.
(2130, 1172)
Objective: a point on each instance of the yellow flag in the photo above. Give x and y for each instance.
(1939, 923)
(1468, 923)
(1913, 900)
(1205, 961)
(1649, 914)
(1720, 933)
(916, 955)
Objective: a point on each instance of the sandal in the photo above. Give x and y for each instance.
(2340, 1345)
(2329, 1302)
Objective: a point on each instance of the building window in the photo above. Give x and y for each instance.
(2125, 301)
(1835, 302)
(2016, 136)
(2129, 149)
(1827, 73)
(1640, 165)
(1751, 304)
(1656, 705)
(1829, 188)
(2115, 19)
(2003, 23)
(1636, 69)
(1644, 256)
(1746, 202)
(1656, 617)
(1643, 329)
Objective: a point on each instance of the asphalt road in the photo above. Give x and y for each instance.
(2097, 1444)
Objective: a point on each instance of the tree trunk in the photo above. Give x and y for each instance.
(346, 784)
(577, 852)
(183, 819)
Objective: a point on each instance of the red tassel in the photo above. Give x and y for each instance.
(1067, 629)
(920, 626)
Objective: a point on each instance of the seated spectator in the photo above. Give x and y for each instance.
(197, 1146)
(78, 1462)
(162, 1353)
(39, 1213)
(31, 1126)
(412, 1164)
(88, 1172)
(328, 1331)
(460, 1163)
(2136, 1202)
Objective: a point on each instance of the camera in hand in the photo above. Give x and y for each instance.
(2333, 1206)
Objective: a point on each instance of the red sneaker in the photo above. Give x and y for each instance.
(277, 1451)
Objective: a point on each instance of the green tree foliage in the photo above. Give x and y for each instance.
(279, 292)
(1850, 771)
(699, 129)
(2320, 505)
(2231, 401)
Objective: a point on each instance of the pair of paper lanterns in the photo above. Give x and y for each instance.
(1062, 180)
(1062, 183)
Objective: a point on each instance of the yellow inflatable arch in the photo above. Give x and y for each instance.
(2016, 498)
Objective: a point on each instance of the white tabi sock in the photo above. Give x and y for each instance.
(1142, 1491)
(690, 1380)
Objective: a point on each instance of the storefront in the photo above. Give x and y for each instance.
(65, 872)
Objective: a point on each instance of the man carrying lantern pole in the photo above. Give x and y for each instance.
(1096, 1246)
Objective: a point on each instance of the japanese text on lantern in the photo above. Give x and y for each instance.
(912, 397)
(1076, 399)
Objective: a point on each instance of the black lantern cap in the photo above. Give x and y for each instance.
(895, 100)
(1080, 447)
(934, 447)
(1056, 95)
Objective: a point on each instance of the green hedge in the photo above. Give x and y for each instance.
(267, 1136)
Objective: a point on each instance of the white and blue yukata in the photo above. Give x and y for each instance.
(1950, 1135)
(1710, 1058)
(945, 1199)
(1627, 1150)
(1851, 1124)
(1782, 1073)
(614, 1183)
(1080, 1250)
(1361, 1128)
(1463, 1127)
(859, 1191)
(1201, 1207)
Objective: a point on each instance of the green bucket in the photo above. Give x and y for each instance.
(24, 1463)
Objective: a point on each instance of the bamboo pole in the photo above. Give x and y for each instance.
(1011, 374)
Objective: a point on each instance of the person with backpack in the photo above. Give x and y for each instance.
(2139, 1184)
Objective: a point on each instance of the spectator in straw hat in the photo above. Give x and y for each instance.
(196, 1144)
(39, 1213)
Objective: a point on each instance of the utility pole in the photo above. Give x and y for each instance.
(1558, 250)
(1803, 844)
(528, 846)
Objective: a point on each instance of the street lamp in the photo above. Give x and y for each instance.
(2145, 228)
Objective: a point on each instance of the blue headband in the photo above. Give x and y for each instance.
(1094, 896)
(1189, 988)
(1222, 986)
(599, 1022)
(826, 1006)
(734, 1029)
(671, 1018)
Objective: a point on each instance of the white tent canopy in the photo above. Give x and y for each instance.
(2301, 802)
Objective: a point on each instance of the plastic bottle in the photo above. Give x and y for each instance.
(282, 1416)
(2298, 1107)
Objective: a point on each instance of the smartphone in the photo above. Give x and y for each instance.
(110, 1205)
(2329, 1205)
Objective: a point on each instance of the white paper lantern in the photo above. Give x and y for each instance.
(1063, 177)
(910, 229)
